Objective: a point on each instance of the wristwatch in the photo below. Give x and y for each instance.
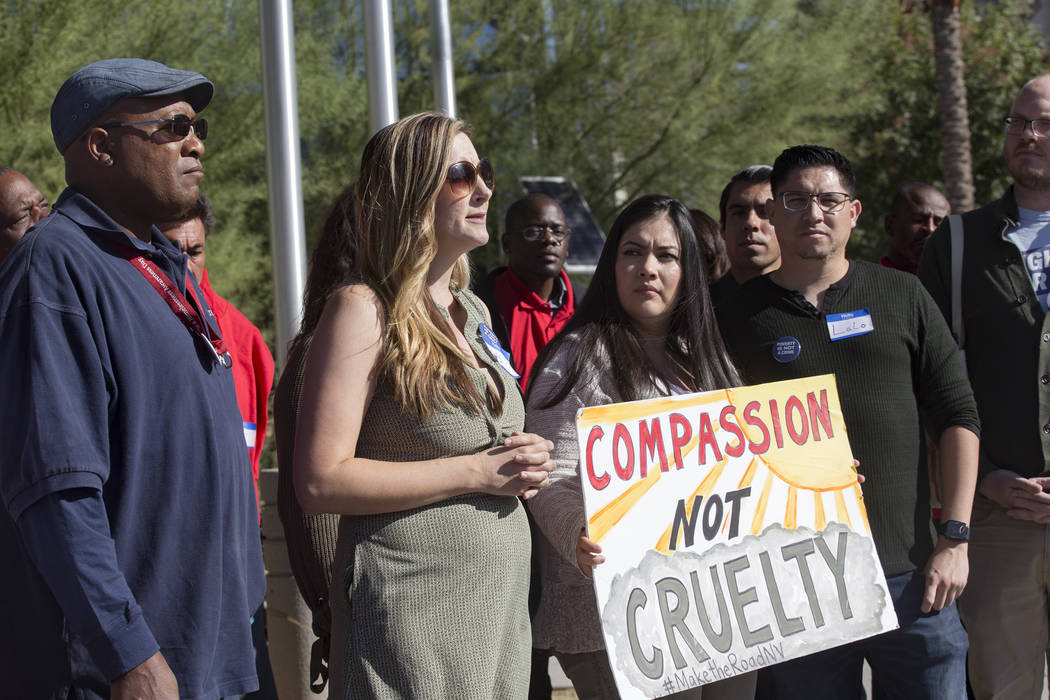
(954, 530)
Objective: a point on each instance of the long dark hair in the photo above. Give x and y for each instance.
(693, 340)
(331, 263)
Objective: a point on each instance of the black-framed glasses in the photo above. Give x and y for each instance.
(829, 202)
(1017, 125)
(463, 176)
(535, 233)
(179, 126)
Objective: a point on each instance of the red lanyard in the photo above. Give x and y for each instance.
(192, 318)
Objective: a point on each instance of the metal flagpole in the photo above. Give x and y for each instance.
(441, 43)
(287, 228)
(379, 58)
(288, 617)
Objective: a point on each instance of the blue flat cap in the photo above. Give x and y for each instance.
(96, 87)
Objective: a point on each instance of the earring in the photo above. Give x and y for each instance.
(108, 161)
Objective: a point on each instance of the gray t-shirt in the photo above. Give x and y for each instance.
(1032, 238)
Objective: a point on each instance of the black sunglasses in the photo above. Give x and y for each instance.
(179, 125)
(463, 176)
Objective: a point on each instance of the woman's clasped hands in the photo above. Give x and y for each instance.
(521, 466)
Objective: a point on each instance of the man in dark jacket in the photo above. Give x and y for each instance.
(1003, 285)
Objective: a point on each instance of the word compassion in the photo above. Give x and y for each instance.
(634, 448)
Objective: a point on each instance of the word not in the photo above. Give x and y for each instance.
(712, 517)
(799, 419)
(672, 597)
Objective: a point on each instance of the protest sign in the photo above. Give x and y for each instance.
(734, 532)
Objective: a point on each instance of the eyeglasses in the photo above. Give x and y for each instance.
(1017, 125)
(179, 126)
(829, 202)
(535, 233)
(463, 176)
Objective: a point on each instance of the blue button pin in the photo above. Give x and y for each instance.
(786, 349)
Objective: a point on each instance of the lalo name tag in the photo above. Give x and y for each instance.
(849, 324)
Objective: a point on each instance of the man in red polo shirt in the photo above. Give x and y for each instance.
(252, 362)
(532, 298)
(917, 210)
(252, 377)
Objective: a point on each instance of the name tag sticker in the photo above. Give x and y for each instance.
(250, 430)
(496, 351)
(849, 324)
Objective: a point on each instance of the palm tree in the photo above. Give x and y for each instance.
(956, 163)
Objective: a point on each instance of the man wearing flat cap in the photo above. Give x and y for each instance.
(129, 539)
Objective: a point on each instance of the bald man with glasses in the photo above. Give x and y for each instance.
(21, 206)
(1001, 276)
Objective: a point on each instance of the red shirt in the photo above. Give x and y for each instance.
(531, 321)
(252, 370)
(886, 262)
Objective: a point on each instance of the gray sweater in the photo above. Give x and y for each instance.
(567, 619)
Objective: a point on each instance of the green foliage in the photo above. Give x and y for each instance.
(48, 40)
(897, 140)
(658, 96)
(623, 97)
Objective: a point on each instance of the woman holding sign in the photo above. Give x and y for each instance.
(644, 329)
(409, 428)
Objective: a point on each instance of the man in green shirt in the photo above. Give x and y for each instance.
(882, 336)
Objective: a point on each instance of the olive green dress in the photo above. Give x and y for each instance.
(432, 602)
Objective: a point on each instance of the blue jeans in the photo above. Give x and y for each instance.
(924, 658)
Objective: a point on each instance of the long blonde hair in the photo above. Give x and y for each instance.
(403, 169)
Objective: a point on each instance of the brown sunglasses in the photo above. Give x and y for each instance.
(463, 176)
(179, 125)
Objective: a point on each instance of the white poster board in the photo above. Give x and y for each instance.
(734, 532)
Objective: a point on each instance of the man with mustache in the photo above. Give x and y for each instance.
(881, 335)
(129, 533)
(1003, 284)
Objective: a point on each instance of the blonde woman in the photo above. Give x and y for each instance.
(410, 428)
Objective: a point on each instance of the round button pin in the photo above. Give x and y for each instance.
(786, 349)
